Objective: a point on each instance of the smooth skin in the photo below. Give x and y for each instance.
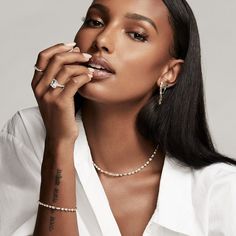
(140, 66)
(57, 109)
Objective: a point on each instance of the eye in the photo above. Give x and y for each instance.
(89, 22)
(138, 36)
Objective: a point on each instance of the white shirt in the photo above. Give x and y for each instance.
(190, 202)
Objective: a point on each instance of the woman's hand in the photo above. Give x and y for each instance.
(62, 63)
(57, 105)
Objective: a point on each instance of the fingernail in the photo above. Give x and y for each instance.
(76, 49)
(86, 55)
(70, 44)
(90, 76)
(75, 80)
(91, 70)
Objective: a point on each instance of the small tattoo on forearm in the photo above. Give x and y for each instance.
(55, 195)
(57, 183)
(51, 223)
(58, 177)
(52, 218)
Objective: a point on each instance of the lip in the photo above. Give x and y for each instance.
(101, 74)
(102, 62)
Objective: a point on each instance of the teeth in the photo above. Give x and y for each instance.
(96, 66)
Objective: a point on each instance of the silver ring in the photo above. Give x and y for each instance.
(37, 69)
(54, 84)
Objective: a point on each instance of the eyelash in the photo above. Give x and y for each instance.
(140, 37)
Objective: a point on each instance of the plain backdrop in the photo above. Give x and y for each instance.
(28, 26)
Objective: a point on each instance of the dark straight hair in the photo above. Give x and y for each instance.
(179, 124)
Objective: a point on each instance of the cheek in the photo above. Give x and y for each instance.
(142, 68)
(137, 74)
(83, 40)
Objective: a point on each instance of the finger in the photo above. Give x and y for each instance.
(36, 77)
(45, 56)
(62, 59)
(73, 85)
(67, 73)
(56, 64)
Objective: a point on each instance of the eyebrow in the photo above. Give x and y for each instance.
(132, 16)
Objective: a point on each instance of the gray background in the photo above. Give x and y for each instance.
(28, 26)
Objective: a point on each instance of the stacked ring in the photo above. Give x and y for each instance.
(38, 69)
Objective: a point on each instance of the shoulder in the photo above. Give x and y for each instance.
(222, 201)
(25, 127)
(214, 197)
(214, 175)
(21, 148)
(213, 178)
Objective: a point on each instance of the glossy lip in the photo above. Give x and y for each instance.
(102, 62)
(101, 74)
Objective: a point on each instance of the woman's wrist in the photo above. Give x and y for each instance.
(56, 148)
(58, 153)
(55, 141)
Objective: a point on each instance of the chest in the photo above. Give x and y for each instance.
(132, 202)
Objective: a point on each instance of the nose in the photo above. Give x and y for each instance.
(104, 41)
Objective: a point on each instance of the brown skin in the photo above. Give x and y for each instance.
(114, 102)
(57, 110)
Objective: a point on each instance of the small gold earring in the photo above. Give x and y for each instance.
(163, 88)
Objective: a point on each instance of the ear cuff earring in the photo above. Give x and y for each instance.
(163, 88)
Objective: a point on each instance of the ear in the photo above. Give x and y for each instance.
(170, 72)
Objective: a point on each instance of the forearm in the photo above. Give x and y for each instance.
(57, 109)
(57, 189)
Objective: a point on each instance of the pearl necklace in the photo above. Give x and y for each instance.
(128, 173)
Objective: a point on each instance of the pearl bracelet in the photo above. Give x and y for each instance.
(57, 208)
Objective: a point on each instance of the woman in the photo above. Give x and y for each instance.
(119, 144)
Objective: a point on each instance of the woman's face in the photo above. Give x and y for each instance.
(135, 37)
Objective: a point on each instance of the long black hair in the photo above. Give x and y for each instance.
(179, 124)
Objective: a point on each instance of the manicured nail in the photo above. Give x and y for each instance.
(91, 70)
(70, 44)
(75, 80)
(90, 76)
(76, 49)
(86, 55)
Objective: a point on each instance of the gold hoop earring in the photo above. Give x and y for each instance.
(163, 88)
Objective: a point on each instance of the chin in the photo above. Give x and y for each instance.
(93, 92)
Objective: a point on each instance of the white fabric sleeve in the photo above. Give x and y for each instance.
(222, 206)
(19, 180)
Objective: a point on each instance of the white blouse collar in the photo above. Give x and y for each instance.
(174, 209)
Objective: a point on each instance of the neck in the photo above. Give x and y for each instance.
(115, 144)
